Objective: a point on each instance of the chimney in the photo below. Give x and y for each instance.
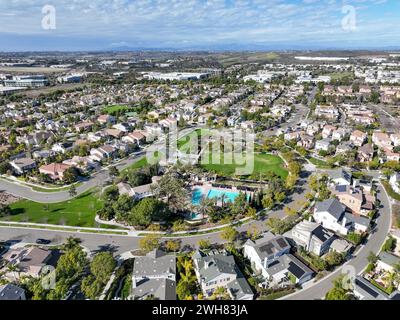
(344, 222)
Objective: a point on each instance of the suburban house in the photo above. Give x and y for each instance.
(103, 152)
(54, 170)
(387, 261)
(22, 165)
(62, 147)
(30, 261)
(333, 216)
(106, 119)
(135, 137)
(354, 199)
(341, 177)
(83, 126)
(312, 237)
(365, 153)
(83, 163)
(365, 290)
(382, 140)
(327, 131)
(322, 145)
(139, 192)
(288, 269)
(218, 269)
(11, 292)
(154, 275)
(358, 138)
(264, 251)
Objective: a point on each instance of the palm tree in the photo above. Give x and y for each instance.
(206, 206)
(71, 243)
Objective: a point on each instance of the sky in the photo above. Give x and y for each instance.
(83, 25)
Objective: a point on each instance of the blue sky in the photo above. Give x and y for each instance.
(198, 24)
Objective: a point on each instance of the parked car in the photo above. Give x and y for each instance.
(43, 241)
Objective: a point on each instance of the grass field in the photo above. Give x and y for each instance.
(340, 75)
(79, 212)
(117, 109)
(263, 163)
(138, 164)
(184, 140)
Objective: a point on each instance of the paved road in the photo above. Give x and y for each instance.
(96, 180)
(359, 263)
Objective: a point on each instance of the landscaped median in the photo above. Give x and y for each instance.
(390, 191)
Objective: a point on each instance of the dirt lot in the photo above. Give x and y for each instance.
(34, 93)
(41, 70)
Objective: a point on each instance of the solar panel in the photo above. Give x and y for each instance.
(281, 242)
(366, 288)
(267, 248)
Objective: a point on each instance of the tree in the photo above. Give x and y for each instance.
(251, 212)
(204, 244)
(253, 232)
(71, 175)
(338, 292)
(267, 202)
(72, 191)
(229, 234)
(149, 242)
(114, 171)
(240, 204)
(4, 210)
(110, 194)
(172, 190)
(71, 243)
(102, 266)
(122, 207)
(372, 257)
(71, 263)
(172, 245)
(145, 211)
(389, 245)
(280, 196)
(91, 287)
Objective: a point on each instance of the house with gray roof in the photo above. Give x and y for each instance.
(341, 177)
(312, 237)
(365, 290)
(387, 261)
(265, 251)
(11, 292)
(154, 275)
(333, 216)
(219, 269)
(288, 268)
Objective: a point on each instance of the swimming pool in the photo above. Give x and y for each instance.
(197, 195)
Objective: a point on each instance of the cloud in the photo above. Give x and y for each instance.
(160, 22)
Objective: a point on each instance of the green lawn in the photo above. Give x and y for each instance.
(390, 190)
(263, 163)
(182, 141)
(117, 109)
(79, 212)
(319, 163)
(340, 75)
(138, 164)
